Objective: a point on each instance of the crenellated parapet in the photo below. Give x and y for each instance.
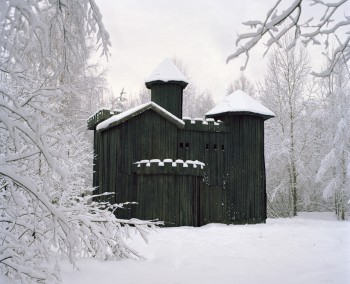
(100, 116)
(208, 125)
(169, 167)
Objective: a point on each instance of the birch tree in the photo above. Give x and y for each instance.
(43, 212)
(284, 93)
(244, 84)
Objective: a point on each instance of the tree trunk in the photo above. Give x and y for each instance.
(293, 171)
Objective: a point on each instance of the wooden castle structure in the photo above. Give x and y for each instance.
(182, 171)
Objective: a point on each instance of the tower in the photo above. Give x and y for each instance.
(167, 83)
(245, 163)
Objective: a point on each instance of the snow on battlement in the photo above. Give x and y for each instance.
(169, 166)
(175, 163)
(208, 124)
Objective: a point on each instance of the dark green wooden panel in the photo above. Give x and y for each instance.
(170, 198)
(168, 96)
(233, 189)
(246, 170)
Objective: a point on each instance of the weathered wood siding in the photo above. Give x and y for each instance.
(207, 142)
(245, 183)
(145, 136)
(168, 96)
(230, 189)
(168, 193)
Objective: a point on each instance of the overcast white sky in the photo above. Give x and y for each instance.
(201, 33)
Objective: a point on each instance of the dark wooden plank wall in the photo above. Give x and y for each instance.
(207, 143)
(145, 136)
(170, 196)
(234, 187)
(246, 182)
(168, 96)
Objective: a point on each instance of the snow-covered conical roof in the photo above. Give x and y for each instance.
(166, 71)
(240, 102)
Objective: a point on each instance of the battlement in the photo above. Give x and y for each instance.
(209, 124)
(168, 166)
(100, 116)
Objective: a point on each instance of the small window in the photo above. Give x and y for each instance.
(206, 146)
(181, 145)
(215, 147)
(187, 145)
(222, 147)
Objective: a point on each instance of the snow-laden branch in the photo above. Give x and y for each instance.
(44, 209)
(77, 228)
(277, 24)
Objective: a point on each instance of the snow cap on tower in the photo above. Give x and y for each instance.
(239, 103)
(166, 72)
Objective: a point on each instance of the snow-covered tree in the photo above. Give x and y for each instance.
(334, 171)
(143, 96)
(44, 49)
(84, 96)
(195, 103)
(330, 25)
(244, 84)
(284, 93)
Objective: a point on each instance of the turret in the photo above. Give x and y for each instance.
(245, 168)
(166, 83)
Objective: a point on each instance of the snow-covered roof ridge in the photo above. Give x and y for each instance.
(124, 116)
(166, 71)
(239, 101)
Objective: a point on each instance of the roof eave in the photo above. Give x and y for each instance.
(264, 116)
(183, 84)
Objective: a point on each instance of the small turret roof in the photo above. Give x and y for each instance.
(166, 71)
(240, 102)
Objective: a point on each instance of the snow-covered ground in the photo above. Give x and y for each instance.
(311, 248)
